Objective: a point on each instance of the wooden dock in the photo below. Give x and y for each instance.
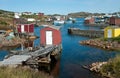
(88, 33)
(15, 60)
(42, 55)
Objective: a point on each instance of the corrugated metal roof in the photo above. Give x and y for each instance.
(52, 26)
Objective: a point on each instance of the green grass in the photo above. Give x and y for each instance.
(112, 69)
(116, 39)
(112, 39)
(20, 72)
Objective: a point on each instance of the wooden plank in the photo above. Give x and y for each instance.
(15, 60)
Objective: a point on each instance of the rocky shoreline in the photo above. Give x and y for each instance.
(96, 67)
(100, 43)
(99, 67)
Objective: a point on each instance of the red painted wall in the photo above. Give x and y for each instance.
(112, 21)
(19, 28)
(117, 21)
(90, 21)
(56, 36)
(31, 28)
(27, 28)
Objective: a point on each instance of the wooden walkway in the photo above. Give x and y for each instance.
(88, 33)
(39, 51)
(26, 55)
(14, 60)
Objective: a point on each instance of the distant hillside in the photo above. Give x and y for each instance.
(84, 14)
(7, 14)
(3, 11)
(6, 19)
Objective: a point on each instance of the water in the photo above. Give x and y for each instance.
(3, 53)
(79, 24)
(73, 54)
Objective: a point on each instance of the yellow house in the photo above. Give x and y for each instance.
(111, 32)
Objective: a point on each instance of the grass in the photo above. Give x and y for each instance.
(116, 39)
(112, 39)
(20, 72)
(112, 69)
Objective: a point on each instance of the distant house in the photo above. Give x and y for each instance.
(111, 32)
(25, 28)
(89, 20)
(31, 19)
(27, 13)
(17, 15)
(99, 19)
(40, 14)
(114, 21)
(50, 36)
(57, 17)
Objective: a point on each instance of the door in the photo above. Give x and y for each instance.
(49, 39)
(22, 28)
(109, 33)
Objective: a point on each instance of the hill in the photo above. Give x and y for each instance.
(6, 19)
(84, 14)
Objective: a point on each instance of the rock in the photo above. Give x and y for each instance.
(109, 45)
(96, 66)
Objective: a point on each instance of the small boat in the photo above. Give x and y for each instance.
(59, 22)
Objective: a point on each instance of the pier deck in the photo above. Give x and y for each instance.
(28, 56)
(88, 33)
(15, 60)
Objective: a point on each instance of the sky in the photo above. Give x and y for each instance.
(61, 6)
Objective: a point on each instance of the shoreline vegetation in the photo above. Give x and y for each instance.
(21, 72)
(111, 68)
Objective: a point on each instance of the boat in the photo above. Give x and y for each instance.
(59, 22)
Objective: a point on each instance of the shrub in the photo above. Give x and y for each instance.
(112, 68)
(7, 72)
(3, 23)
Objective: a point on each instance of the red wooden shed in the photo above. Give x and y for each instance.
(89, 20)
(114, 21)
(25, 28)
(50, 36)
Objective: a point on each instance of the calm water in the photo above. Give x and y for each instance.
(73, 54)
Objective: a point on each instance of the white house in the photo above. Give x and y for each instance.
(31, 19)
